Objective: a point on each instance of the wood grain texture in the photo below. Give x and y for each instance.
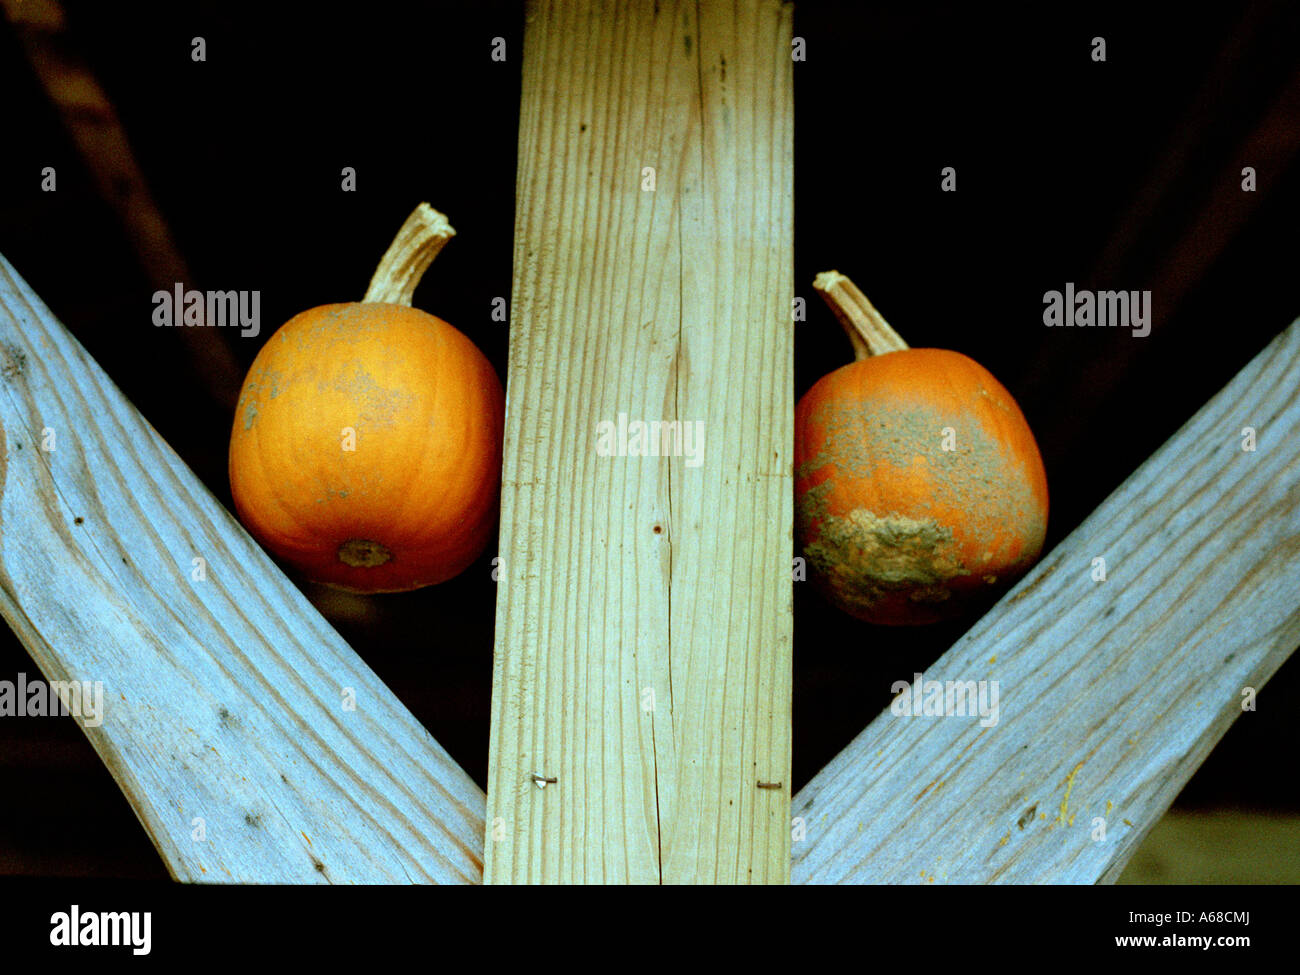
(644, 612)
(224, 694)
(1111, 692)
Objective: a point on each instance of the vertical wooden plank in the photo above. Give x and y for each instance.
(644, 611)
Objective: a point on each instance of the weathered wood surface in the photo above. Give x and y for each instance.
(643, 630)
(224, 695)
(1111, 692)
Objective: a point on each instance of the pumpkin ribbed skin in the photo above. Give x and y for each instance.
(896, 529)
(415, 502)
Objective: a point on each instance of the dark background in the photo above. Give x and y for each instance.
(1120, 175)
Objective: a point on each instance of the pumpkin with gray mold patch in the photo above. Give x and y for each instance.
(919, 487)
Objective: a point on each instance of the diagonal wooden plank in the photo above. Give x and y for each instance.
(643, 616)
(1112, 692)
(225, 692)
(96, 130)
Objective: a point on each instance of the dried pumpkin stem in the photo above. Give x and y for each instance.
(423, 235)
(865, 327)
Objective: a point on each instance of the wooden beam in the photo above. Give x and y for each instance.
(227, 718)
(97, 132)
(644, 612)
(1112, 692)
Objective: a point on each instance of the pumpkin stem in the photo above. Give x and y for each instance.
(865, 327)
(424, 233)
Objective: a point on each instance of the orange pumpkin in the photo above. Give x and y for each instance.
(366, 449)
(918, 484)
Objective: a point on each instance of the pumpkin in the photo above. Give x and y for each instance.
(919, 487)
(366, 449)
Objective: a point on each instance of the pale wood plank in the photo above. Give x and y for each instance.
(664, 305)
(1111, 693)
(224, 696)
